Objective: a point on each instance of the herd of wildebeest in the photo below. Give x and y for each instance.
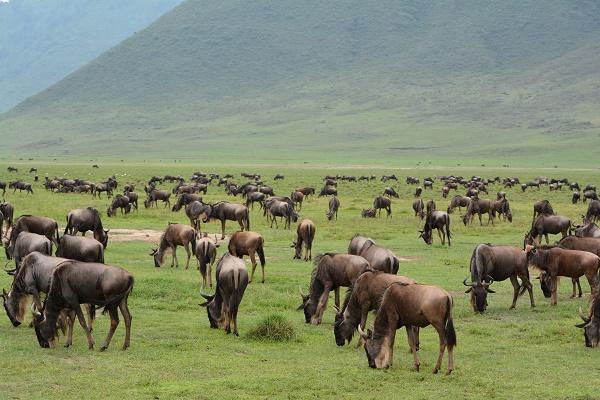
(76, 273)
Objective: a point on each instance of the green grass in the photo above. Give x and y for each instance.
(529, 353)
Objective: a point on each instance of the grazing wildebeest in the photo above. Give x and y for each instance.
(156, 195)
(74, 283)
(21, 185)
(41, 225)
(545, 224)
(328, 191)
(419, 208)
(3, 187)
(86, 219)
(445, 191)
(574, 186)
(589, 195)
(102, 187)
(502, 207)
(591, 324)
(305, 235)
(306, 191)
(334, 205)
(590, 187)
(389, 192)
(7, 211)
(285, 209)
(185, 199)
(247, 243)
(223, 211)
(133, 199)
(458, 201)
(587, 230)
(175, 235)
(194, 211)
(556, 261)
(362, 297)
(593, 212)
(542, 207)
(438, 220)
(383, 202)
(369, 213)
(25, 243)
(279, 176)
(12, 169)
(330, 272)
(479, 206)
(430, 206)
(576, 197)
(411, 306)
(497, 263)
(500, 195)
(379, 257)
(418, 191)
(297, 197)
(232, 280)
(119, 201)
(206, 254)
(253, 197)
(267, 190)
(80, 248)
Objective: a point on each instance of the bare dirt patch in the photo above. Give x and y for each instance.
(146, 235)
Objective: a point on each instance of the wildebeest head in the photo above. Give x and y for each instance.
(15, 309)
(46, 335)
(378, 351)
(427, 236)
(479, 292)
(214, 311)
(159, 257)
(591, 327)
(309, 307)
(342, 329)
(545, 283)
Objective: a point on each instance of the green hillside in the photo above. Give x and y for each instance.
(512, 82)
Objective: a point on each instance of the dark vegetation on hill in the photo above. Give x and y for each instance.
(512, 82)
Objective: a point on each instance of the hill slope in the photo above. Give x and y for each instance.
(384, 81)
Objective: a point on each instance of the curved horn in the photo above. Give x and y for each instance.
(36, 314)
(208, 297)
(304, 297)
(465, 283)
(583, 317)
(362, 333)
(9, 271)
(491, 281)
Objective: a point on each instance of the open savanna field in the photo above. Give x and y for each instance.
(519, 353)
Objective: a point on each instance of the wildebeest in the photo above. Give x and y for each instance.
(591, 324)
(74, 283)
(502, 207)
(173, 236)
(542, 207)
(330, 272)
(25, 243)
(133, 199)
(3, 187)
(80, 248)
(257, 197)
(306, 191)
(389, 192)
(283, 209)
(223, 306)
(557, 261)
(362, 297)
(185, 199)
(497, 263)
(119, 201)
(194, 211)
(334, 205)
(7, 210)
(247, 243)
(86, 219)
(419, 208)
(591, 244)
(379, 257)
(383, 202)
(328, 191)
(458, 201)
(224, 211)
(587, 230)
(576, 197)
(305, 235)
(589, 195)
(436, 220)
(21, 185)
(479, 206)
(593, 212)
(12, 169)
(156, 195)
(297, 197)
(368, 213)
(545, 224)
(418, 191)
(206, 254)
(102, 187)
(411, 305)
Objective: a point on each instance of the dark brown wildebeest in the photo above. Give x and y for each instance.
(576, 197)
(194, 211)
(545, 224)
(7, 211)
(574, 186)
(445, 191)
(279, 176)
(369, 213)
(12, 169)
(436, 220)
(3, 187)
(379, 257)
(587, 230)
(502, 207)
(86, 219)
(155, 179)
(25, 243)
(383, 202)
(542, 207)
(133, 199)
(430, 206)
(334, 205)
(479, 206)
(591, 324)
(297, 197)
(419, 208)
(246, 243)
(284, 209)
(224, 211)
(186, 199)
(362, 297)
(330, 272)
(458, 201)
(389, 192)
(119, 201)
(21, 185)
(80, 248)
(156, 195)
(593, 212)
(257, 197)
(590, 187)
(500, 195)
(328, 191)
(411, 306)
(206, 254)
(223, 306)
(330, 182)
(102, 187)
(556, 261)
(497, 263)
(175, 235)
(267, 190)
(41, 225)
(305, 235)
(418, 191)
(74, 283)
(306, 191)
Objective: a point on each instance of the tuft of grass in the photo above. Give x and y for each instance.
(273, 328)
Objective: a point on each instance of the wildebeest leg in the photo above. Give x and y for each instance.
(253, 260)
(70, 323)
(575, 281)
(189, 254)
(174, 260)
(318, 316)
(553, 290)
(114, 322)
(127, 318)
(442, 334)
(442, 235)
(516, 287)
(81, 318)
(222, 229)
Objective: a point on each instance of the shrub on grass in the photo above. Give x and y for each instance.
(273, 328)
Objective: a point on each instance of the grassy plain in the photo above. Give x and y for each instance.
(520, 353)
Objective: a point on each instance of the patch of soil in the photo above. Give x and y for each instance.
(147, 235)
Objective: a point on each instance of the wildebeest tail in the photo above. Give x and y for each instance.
(204, 259)
(261, 252)
(56, 231)
(193, 241)
(395, 265)
(450, 334)
(69, 224)
(114, 302)
(247, 219)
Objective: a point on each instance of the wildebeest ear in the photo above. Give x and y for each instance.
(582, 325)
(205, 304)
(469, 290)
(217, 244)
(490, 290)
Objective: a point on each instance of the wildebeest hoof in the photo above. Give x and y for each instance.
(102, 348)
